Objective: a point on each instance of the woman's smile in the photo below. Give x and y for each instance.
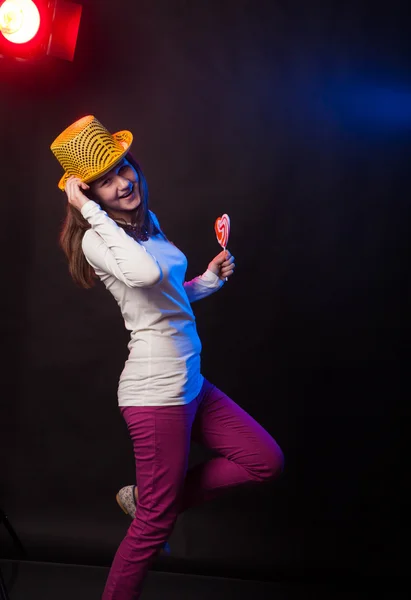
(128, 195)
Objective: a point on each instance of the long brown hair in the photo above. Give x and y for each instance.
(75, 226)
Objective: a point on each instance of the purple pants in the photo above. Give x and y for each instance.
(161, 438)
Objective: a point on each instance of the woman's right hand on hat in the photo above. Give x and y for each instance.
(75, 196)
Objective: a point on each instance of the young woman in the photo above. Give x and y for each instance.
(110, 233)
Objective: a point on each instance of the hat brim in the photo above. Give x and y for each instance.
(125, 138)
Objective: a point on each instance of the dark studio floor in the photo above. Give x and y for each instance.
(52, 581)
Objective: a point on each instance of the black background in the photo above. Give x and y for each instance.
(294, 118)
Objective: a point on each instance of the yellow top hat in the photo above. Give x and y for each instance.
(87, 150)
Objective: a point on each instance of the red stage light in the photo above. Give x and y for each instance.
(19, 20)
(35, 28)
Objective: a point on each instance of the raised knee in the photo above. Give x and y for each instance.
(273, 463)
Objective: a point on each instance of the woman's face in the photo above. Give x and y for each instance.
(117, 191)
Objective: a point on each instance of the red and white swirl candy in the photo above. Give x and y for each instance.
(222, 230)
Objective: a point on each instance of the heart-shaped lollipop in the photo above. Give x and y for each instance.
(222, 230)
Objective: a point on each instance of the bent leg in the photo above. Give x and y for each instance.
(249, 454)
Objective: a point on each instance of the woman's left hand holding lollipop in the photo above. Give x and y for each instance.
(223, 265)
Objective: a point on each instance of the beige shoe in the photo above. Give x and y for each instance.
(127, 502)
